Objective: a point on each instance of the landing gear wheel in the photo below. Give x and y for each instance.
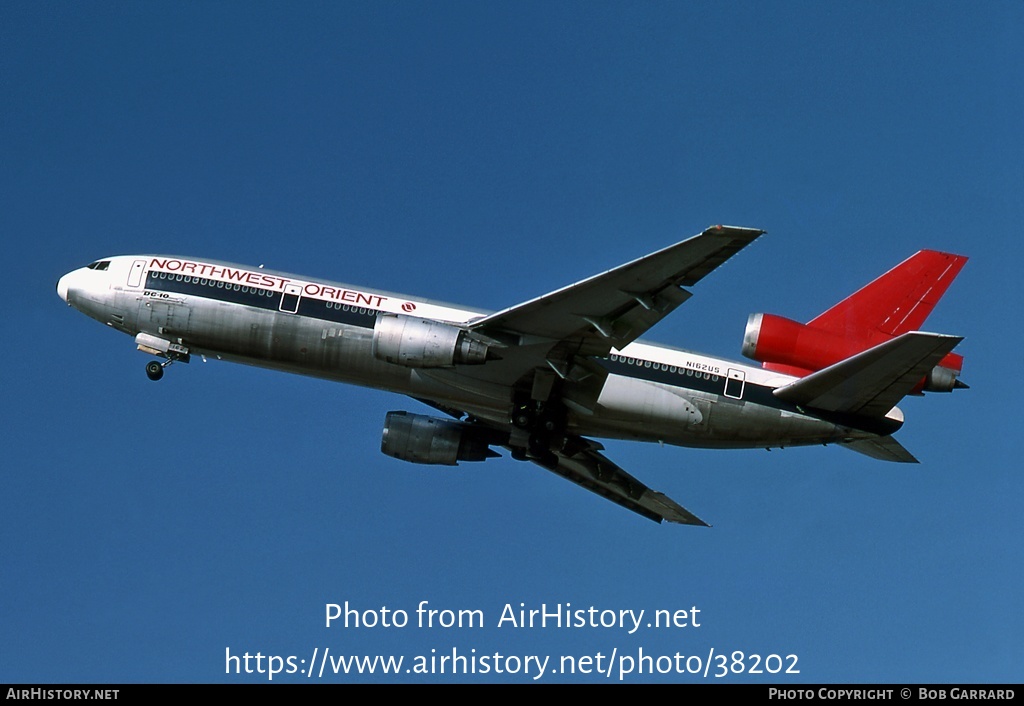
(523, 417)
(154, 370)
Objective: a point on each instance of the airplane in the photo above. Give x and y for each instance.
(546, 378)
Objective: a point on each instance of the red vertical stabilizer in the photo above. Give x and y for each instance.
(893, 304)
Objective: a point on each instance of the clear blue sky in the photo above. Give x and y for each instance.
(483, 154)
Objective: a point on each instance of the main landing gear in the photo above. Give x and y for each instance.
(537, 427)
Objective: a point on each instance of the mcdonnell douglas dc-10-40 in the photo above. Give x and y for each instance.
(547, 377)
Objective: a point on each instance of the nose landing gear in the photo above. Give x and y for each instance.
(163, 348)
(155, 369)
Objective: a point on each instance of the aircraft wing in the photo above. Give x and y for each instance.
(580, 460)
(872, 382)
(590, 469)
(549, 337)
(611, 309)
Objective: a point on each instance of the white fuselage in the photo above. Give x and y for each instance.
(326, 329)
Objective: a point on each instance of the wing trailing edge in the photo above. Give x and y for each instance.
(590, 469)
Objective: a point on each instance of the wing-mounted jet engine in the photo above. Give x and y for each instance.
(422, 343)
(421, 439)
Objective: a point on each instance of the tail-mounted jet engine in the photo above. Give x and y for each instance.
(420, 343)
(793, 348)
(777, 341)
(421, 439)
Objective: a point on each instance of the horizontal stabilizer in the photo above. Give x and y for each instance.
(872, 382)
(883, 448)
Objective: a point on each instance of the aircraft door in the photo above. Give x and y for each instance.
(135, 273)
(734, 384)
(290, 298)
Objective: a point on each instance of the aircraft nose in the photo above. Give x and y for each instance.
(62, 287)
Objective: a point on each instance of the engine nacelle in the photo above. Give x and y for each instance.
(421, 343)
(790, 347)
(775, 339)
(421, 439)
(942, 379)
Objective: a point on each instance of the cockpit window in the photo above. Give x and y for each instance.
(99, 265)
